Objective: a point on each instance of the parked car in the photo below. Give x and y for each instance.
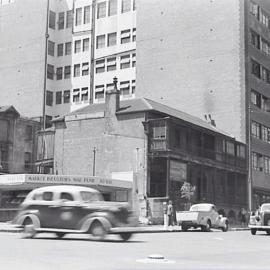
(204, 216)
(73, 209)
(260, 220)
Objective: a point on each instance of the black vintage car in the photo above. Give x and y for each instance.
(73, 209)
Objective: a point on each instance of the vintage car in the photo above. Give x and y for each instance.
(204, 216)
(73, 209)
(260, 220)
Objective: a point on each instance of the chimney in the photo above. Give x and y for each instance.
(112, 100)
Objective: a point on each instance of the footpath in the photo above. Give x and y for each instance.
(8, 227)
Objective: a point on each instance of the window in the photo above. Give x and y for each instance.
(125, 36)
(265, 134)
(66, 96)
(134, 34)
(255, 69)
(111, 39)
(133, 86)
(50, 48)
(66, 196)
(76, 70)
(49, 98)
(101, 10)
(264, 18)
(85, 69)
(112, 7)
(266, 163)
(78, 19)
(58, 97)
(76, 95)
(125, 61)
(86, 44)
(59, 73)
(99, 92)
(265, 47)
(28, 132)
(100, 41)
(126, 5)
(67, 48)
(255, 39)
(230, 148)
(111, 63)
(254, 10)
(47, 196)
(50, 71)
(255, 130)
(265, 76)
(77, 47)
(86, 15)
(84, 94)
(265, 104)
(52, 17)
(60, 49)
(100, 66)
(159, 130)
(67, 72)
(241, 151)
(256, 161)
(255, 98)
(69, 19)
(134, 60)
(125, 88)
(61, 20)
(134, 4)
(110, 87)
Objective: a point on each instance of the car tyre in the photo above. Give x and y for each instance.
(226, 227)
(207, 227)
(97, 230)
(184, 228)
(60, 234)
(29, 228)
(268, 232)
(125, 236)
(253, 231)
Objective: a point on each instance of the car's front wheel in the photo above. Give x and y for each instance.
(207, 227)
(253, 231)
(29, 228)
(226, 227)
(125, 236)
(184, 228)
(97, 230)
(268, 232)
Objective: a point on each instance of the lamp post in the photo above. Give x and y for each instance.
(94, 161)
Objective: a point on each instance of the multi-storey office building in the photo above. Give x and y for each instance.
(211, 59)
(64, 54)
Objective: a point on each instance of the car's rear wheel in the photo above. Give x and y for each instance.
(253, 231)
(125, 236)
(60, 234)
(226, 226)
(97, 230)
(268, 232)
(184, 228)
(29, 228)
(207, 227)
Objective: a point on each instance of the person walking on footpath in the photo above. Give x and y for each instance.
(170, 214)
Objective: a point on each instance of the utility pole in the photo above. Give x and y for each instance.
(94, 161)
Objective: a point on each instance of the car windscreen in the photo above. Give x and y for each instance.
(91, 196)
(200, 207)
(265, 207)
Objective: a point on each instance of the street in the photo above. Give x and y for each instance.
(181, 250)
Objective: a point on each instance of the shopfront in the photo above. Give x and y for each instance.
(15, 187)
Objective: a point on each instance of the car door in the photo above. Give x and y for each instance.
(214, 216)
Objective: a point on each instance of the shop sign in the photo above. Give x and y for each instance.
(178, 171)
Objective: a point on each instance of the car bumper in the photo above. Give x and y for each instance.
(259, 227)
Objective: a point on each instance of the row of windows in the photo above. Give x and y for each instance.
(260, 71)
(110, 8)
(79, 45)
(260, 131)
(260, 101)
(60, 97)
(259, 42)
(260, 162)
(111, 63)
(127, 88)
(111, 39)
(260, 14)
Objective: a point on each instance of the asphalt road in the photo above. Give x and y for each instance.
(182, 250)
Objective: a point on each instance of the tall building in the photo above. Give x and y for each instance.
(64, 54)
(211, 59)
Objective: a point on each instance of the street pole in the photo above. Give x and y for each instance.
(94, 161)
(249, 161)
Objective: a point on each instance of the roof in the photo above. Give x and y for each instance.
(9, 108)
(65, 188)
(147, 105)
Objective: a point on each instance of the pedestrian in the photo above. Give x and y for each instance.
(170, 214)
(243, 215)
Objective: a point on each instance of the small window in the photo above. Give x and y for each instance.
(125, 61)
(126, 5)
(67, 72)
(47, 196)
(111, 39)
(100, 41)
(28, 132)
(133, 87)
(125, 88)
(99, 92)
(59, 73)
(50, 71)
(101, 10)
(51, 48)
(60, 49)
(27, 160)
(61, 20)
(112, 7)
(67, 48)
(100, 66)
(67, 96)
(58, 97)
(77, 47)
(69, 19)
(86, 44)
(78, 18)
(86, 15)
(125, 36)
(111, 63)
(134, 34)
(66, 196)
(134, 60)
(49, 98)
(76, 95)
(255, 68)
(85, 69)
(110, 87)
(84, 94)
(77, 68)
(52, 17)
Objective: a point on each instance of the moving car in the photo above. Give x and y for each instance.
(73, 209)
(260, 220)
(202, 215)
